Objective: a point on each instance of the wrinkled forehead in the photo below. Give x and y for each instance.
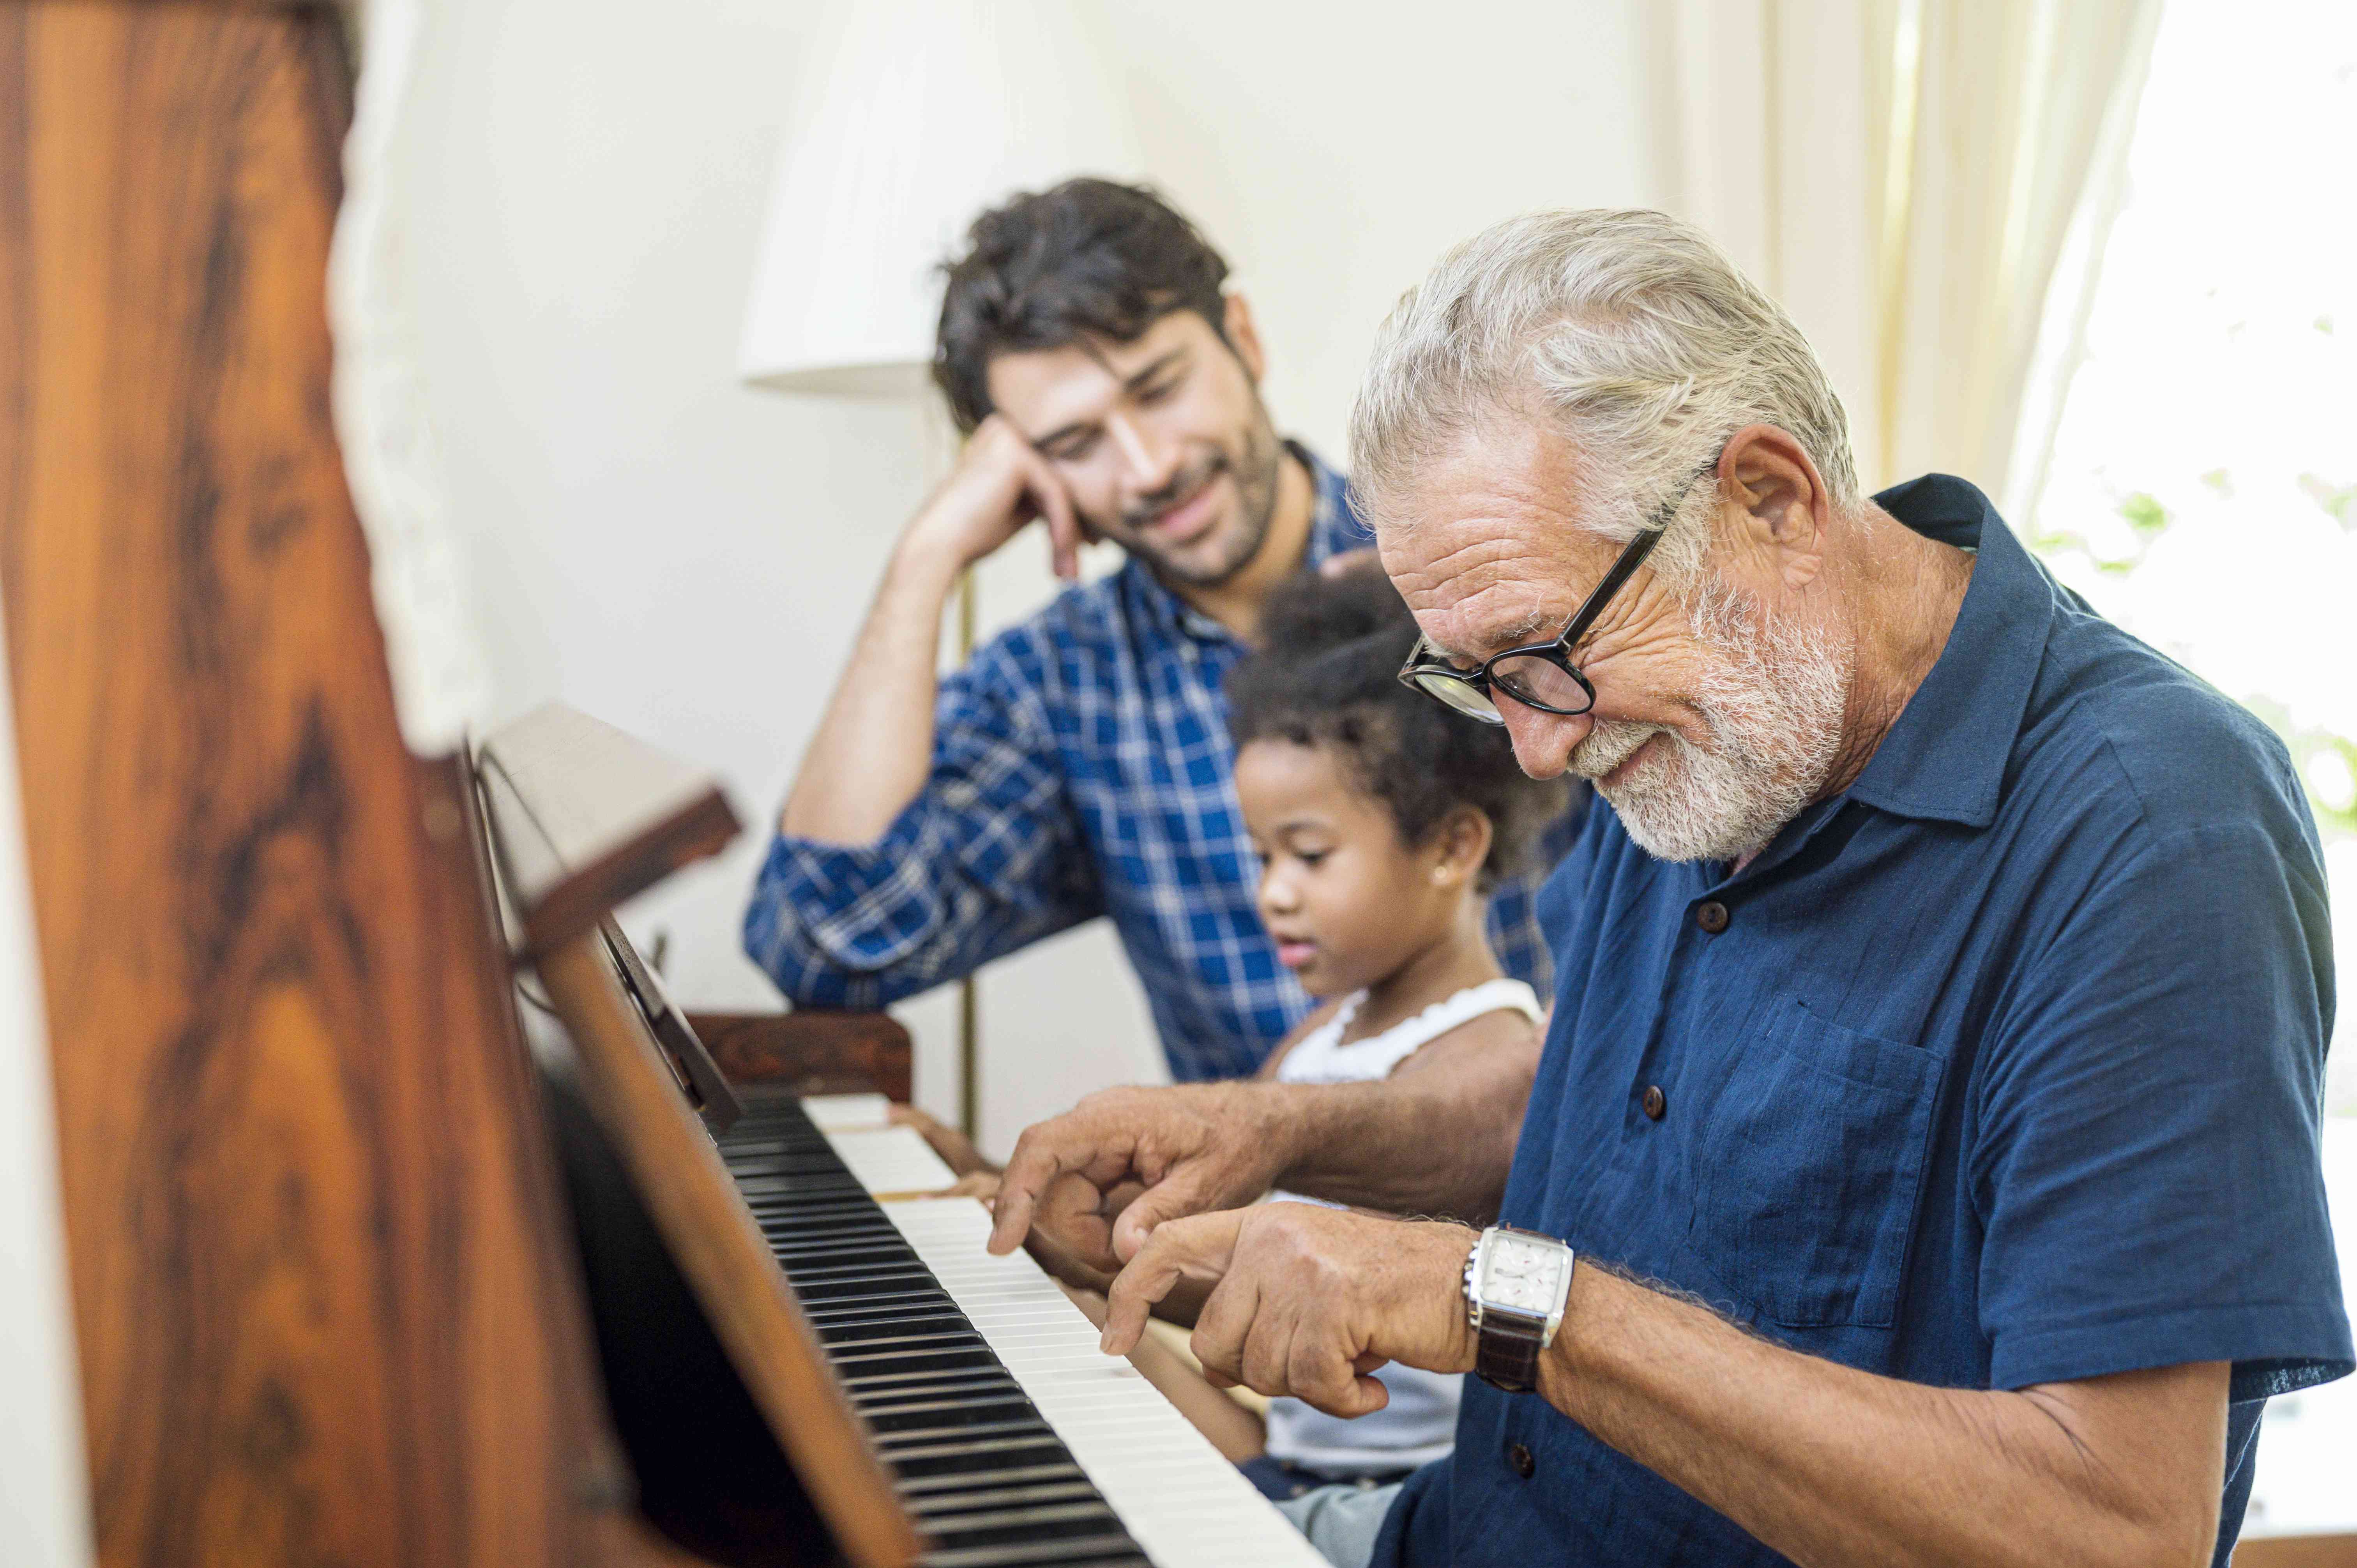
(1485, 540)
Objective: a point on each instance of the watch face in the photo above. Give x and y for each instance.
(1520, 1275)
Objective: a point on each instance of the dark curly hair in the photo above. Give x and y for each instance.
(1327, 674)
(1091, 258)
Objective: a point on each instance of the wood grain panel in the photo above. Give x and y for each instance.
(322, 1314)
(810, 1050)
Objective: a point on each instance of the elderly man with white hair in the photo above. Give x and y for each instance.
(1922, 1165)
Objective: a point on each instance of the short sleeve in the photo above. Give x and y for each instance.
(2146, 1163)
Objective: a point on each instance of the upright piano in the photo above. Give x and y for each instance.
(360, 1276)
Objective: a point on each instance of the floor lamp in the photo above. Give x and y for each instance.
(911, 118)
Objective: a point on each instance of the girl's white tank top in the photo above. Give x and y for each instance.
(1419, 1424)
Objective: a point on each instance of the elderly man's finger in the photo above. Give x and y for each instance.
(1223, 1325)
(1185, 1192)
(1019, 1188)
(1318, 1375)
(1044, 1153)
(1071, 1235)
(1200, 1249)
(1268, 1349)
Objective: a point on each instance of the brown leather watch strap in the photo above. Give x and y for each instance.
(1507, 1357)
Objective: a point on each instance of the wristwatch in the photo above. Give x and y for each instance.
(1515, 1284)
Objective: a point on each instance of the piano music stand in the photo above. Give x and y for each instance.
(693, 1068)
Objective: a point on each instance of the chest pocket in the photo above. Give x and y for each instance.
(1808, 1168)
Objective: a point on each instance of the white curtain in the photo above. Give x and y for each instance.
(1923, 183)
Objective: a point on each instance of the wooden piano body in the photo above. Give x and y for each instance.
(328, 1304)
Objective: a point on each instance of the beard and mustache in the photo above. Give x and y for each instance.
(1255, 463)
(1774, 694)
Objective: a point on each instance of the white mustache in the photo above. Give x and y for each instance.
(1611, 743)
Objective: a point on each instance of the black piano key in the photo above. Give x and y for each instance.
(983, 1384)
(981, 1471)
(1090, 1521)
(912, 1279)
(1007, 1404)
(888, 1320)
(958, 1458)
(950, 1484)
(920, 1413)
(880, 1301)
(951, 1503)
(858, 1365)
(976, 1436)
(936, 1341)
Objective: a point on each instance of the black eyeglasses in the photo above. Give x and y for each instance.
(1541, 674)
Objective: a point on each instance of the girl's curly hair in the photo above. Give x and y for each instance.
(1327, 674)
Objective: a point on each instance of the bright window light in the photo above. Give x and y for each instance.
(2204, 487)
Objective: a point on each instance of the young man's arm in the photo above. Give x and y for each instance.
(874, 747)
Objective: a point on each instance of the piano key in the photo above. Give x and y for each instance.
(892, 1159)
(939, 1486)
(1182, 1502)
(836, 1113)
(924, 1506)
(1013, 1439)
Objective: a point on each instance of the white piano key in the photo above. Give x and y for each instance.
(892, 1159)
(842, 1112)
(1185, 1506)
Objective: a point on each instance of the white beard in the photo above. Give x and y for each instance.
(1773, 696)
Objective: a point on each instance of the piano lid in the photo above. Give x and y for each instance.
(584, 816)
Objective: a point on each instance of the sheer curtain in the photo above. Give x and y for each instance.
(1923, 183)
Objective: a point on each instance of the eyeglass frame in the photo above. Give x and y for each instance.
(1423, 659)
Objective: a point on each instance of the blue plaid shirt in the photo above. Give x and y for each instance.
(1081, 767)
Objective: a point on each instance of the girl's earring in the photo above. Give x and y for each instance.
(1439, 876)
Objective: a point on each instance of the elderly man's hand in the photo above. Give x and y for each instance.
(1099, 1178)
(1307, 1300)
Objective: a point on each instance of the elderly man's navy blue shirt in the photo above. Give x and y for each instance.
(2002, 1067)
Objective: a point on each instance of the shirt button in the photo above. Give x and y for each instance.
(1655, 1102)
(1711, 917)
(1520, 1461)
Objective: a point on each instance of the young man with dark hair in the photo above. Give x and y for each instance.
(1079, 765)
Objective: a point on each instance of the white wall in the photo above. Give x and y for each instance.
(688, 558)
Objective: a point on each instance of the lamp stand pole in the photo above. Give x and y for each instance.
(969, 990)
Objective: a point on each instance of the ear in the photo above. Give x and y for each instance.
(1778, 503)
(1243, 337)
(1462, 839)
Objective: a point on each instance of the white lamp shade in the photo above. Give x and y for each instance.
(915, 116)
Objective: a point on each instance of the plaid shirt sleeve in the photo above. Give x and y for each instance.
(987, 858)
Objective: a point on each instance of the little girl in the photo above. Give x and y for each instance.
(1380, 823)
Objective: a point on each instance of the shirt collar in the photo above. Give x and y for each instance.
(1334, 528)
(1945, 757)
